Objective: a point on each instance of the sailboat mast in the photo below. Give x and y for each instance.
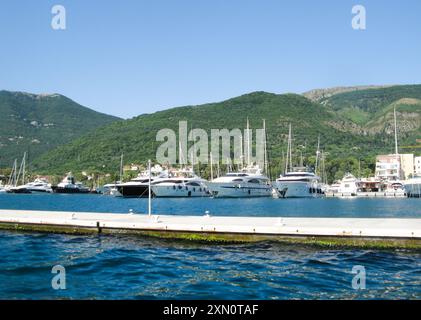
(316, 167)
(24, 167)
(121, 168)
(396, 133)
(265, 164)
(211, 165)
(248, 142)
(149, 189)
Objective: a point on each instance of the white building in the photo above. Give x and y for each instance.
(395, 167)
(388, 167)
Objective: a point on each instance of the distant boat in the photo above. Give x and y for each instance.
(181, 183)
(69, 185)
(39, 185)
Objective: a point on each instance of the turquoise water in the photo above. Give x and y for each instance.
(128, 267)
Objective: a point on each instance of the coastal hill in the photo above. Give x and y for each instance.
(352, 124)
(37, 123)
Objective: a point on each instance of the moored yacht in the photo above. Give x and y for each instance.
(299, 184)
(39, 185)
(69, 185)
(139, 186)
(181, 183)
(249, 182)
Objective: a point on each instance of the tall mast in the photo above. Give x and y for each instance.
(316, 167)
(211, 165)
(248, 142)
(265, 163)
(24, 167)
(396, 133)
(121, 168)
(289, 152)
(149, 189)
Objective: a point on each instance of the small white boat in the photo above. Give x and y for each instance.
(247, 183)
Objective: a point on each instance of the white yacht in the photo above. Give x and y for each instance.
(413, 187)
(2, 188)
(299, 184)
(249, 182)
(39, 185)
(349, 186)
(181, 183)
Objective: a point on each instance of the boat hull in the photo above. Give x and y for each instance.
(229, 190)
(69, 190)
(298, 189)
(141, 191)
(180, 191)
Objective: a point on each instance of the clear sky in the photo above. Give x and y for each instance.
(131, 57)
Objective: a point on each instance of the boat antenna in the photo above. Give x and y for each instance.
(149, 190)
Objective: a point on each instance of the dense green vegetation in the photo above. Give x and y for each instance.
(39, 123)
(348, 145)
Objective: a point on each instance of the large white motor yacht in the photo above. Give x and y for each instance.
(249, 182)
(299, 184)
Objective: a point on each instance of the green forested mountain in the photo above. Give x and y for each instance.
(353, 126)
(39, 123)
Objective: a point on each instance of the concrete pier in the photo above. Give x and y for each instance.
(367, 232)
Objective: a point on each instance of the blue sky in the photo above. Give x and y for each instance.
(131, 57)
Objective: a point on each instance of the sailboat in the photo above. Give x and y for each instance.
(14, 188)
(245, 183)
(298, 182)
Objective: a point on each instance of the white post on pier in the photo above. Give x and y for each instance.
(149, 190)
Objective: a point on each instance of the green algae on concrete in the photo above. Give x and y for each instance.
(227, 238)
